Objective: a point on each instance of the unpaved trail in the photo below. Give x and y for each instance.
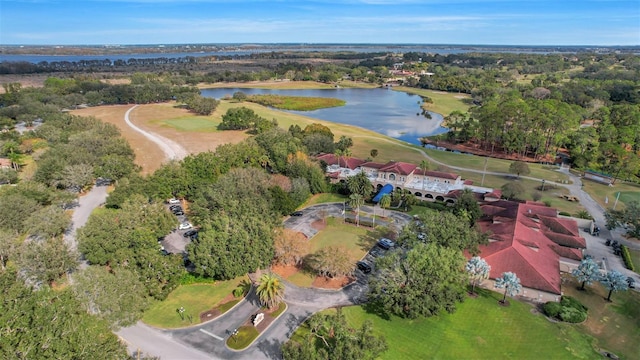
(172, 149)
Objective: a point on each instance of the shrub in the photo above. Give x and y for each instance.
(552, 309)
(572, 315)
(564, 213)
(626, 257)
(238, 292)
(572, 302)
(189, 278)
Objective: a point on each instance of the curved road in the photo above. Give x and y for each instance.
(172, 149)
(206, 341)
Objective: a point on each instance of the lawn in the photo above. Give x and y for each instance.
(601, 193)
(195, 299)
(192, 123)
(443, 103)
(479, 329)
(616, 324)
(323, 198)
(356, 240)
(635, 257)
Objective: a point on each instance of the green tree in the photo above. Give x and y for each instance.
(48, 324)
(478, 270)
(614, 281)
(587, 272)
(510, 283)
(356, 200)
(240, 118)
(48, 222)
(512, 190)
(373, 153)
(47, 260)
(360, 184)
(332, 261)
(330, 337)
(629, 217)
(519, 167)
(445, 229)
(116, 296)
(270, 290)
(466, 206)
(422, 281)
(385, 201)
(8, 247)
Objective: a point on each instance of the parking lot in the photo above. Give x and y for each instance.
(176, 241)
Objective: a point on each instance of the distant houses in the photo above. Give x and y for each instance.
(426, 185)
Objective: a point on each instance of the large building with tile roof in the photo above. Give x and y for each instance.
(426, 185)
(530, 240)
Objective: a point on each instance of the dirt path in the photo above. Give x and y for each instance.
(172, 149)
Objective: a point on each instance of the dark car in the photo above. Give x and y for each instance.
(376, 251)
(297, 213)
(364, 267)
(632, 282)
(178, 213)
(190, 233)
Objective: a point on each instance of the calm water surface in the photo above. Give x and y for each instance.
(388, 112)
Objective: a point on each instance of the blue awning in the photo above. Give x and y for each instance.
(387, 189)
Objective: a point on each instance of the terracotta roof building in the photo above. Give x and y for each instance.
(530, 240)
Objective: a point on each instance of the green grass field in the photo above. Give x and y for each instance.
(479, 329)
(323, 198)
(195, 299)
(601, 193)
(615, 325)
(356, 240)
(192, 123)
(443, 103)
(635, 257)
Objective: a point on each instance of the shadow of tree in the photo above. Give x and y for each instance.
(375, 308)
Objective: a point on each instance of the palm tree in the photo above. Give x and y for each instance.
(355, 201)
(270, 290)
(511, 284)
(478, 270)
(384, 202)
(424, 166)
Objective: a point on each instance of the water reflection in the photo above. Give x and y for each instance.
(392, 113)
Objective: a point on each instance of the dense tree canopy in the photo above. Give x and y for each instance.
(422, 281)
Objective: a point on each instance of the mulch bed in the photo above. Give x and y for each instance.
(285, 271)
(268, 319)
(215, 312)
(323, 282)
(318, 225)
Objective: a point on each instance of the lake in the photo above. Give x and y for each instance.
(388, 112)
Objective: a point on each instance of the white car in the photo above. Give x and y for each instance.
(174, 201)
(185, 226)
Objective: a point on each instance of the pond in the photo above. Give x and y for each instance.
(392, 113)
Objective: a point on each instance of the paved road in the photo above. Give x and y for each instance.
(208, 339)
(86, 203)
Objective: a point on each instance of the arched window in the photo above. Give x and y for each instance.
(392, 176)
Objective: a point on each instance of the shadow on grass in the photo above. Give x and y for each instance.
(374, 308)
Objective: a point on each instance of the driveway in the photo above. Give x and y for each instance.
(86, 203)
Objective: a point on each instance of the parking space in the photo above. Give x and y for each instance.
(176, 241)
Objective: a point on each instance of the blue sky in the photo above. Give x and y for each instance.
(493, 22)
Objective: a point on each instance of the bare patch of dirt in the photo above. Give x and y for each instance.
(285, 271)
(319, 225)
(323, 282)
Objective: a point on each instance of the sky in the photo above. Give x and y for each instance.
(472, 22)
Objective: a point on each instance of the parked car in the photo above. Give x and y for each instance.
(190, 233)
(632, 282)
(297, 213)
(178, 213)
(364, 267)
(386, 243)
(185, 226)
(376, 251)
(174, 201)
(608, 242)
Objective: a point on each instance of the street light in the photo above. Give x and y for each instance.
(542, 184)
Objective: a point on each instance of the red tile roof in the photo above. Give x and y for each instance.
(373, 165)
(398, 167)
(528, 239)
(343, 161)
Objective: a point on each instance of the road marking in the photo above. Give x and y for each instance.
(212, 335)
